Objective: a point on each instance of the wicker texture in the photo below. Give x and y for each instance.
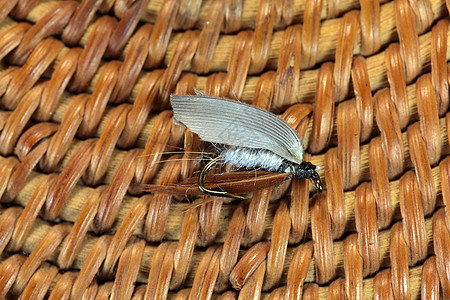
(85, 122)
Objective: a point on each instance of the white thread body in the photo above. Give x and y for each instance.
(250, 158)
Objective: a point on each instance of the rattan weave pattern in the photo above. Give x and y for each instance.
(85, 123)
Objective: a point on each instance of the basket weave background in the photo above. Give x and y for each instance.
(85, 119)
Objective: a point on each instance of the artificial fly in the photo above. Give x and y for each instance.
(258, 139)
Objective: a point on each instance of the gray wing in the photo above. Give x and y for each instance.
(230, 122)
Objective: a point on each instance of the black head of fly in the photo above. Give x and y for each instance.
(303, 170)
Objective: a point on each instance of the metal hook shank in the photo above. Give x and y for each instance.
(201, 180)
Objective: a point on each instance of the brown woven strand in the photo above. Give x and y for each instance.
(305, 93)
(85, 120)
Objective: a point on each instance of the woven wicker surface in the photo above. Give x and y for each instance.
(86, 121)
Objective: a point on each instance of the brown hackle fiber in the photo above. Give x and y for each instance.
(98, 195)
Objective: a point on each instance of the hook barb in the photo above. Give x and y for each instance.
(201, 180)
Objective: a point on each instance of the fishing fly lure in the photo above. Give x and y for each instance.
(258, 139)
